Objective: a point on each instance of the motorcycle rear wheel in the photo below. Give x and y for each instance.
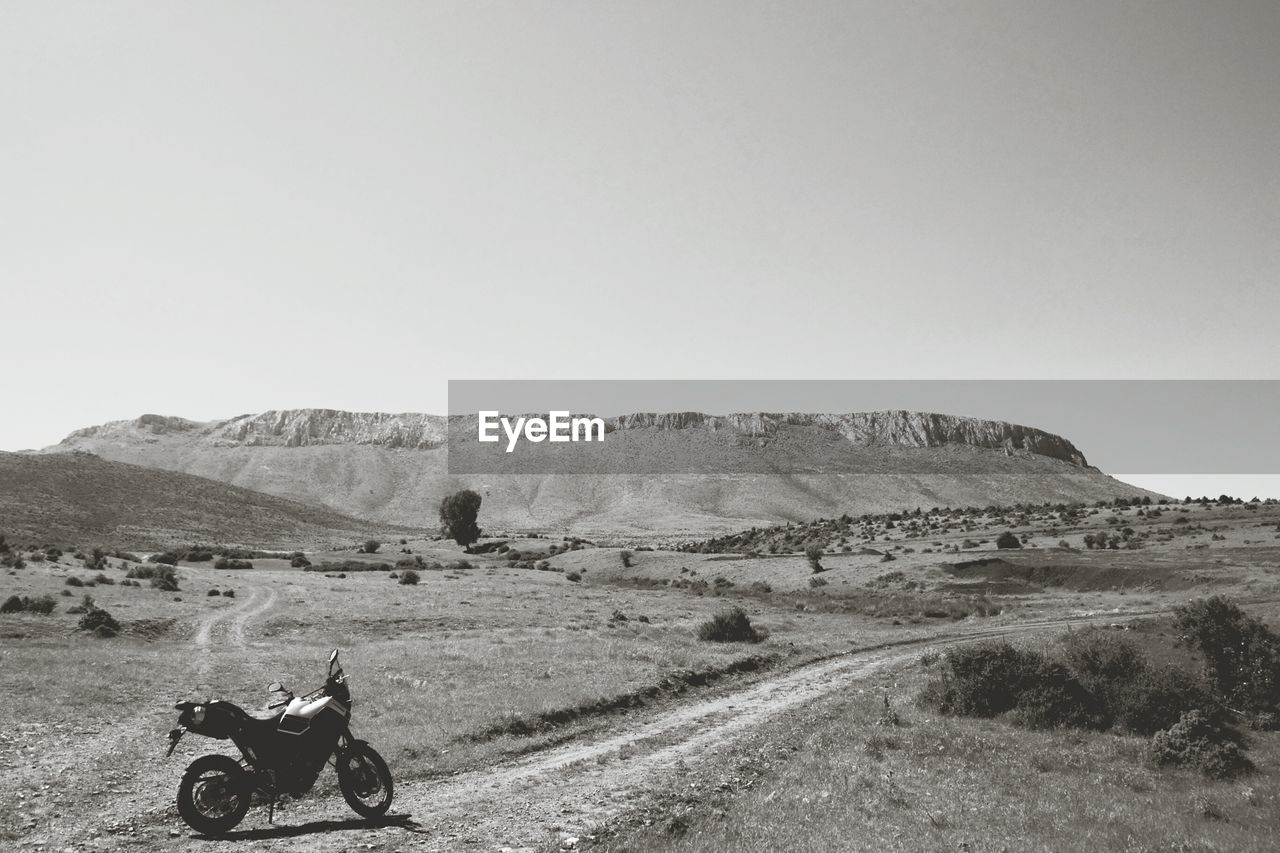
(214, 794)
(365, 780)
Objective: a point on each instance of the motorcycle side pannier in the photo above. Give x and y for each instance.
(219, 720)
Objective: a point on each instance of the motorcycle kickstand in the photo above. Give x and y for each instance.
(271, 802)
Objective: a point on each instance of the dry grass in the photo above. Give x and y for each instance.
(949, 784)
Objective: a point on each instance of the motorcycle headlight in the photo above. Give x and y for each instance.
(197, 715)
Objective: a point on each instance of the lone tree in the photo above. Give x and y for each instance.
(1008, 539)
(458, 518)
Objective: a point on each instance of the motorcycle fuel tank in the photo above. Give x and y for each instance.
(300, 713)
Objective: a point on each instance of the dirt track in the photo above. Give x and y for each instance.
(523, 803)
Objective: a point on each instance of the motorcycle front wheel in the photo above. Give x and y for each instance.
(365, 780)
(214, 794)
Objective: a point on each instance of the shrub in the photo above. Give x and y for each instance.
(371, 547)
(573, 576)
(349, 566)
(43, 605)
(1008, 540)
(1055, 699)
(1198, 740)
(74, 581)
(1155, 699)
(211, 593)
(299, 561)
(816, 582)
(409, 577)
(228, 593)
(730, 626)
(199, 555)
(12, 604)
(86, 604)
(167, 558)
(1103, 663)
(98, 618)
(1241, 655)
(162, 577)
(813, 553)
(987, 679)
(627, 558)
(103, 579)
(229, 564)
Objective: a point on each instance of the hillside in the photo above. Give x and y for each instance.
(681, 473)
(78, 498)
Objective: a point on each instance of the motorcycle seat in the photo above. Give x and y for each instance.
(261, 728)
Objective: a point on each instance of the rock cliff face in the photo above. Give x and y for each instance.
(413, 431)
(287, 428)
(895, 428)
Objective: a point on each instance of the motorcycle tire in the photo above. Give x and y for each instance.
(214, 794)
(362, 774)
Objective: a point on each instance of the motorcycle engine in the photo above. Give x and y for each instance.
(297, 777)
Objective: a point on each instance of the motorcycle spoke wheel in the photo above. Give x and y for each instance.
(365, 780)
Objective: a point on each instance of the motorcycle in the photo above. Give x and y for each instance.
(282, 754)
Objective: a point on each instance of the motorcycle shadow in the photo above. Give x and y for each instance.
(405, 822)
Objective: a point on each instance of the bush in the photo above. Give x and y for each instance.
(627, 559)
(1103, 663)
(573, 576)
(298, 561)
(12, 604)
(1008, 540)
(99, 618)
(162, 577)
(988, 679)
(43, 605)
(226, 563)
(167, 558)
(211, 593)
(371, 547)
(199, 555)
(1241, 655)
(86, 604)
(228, 593)
(409, 577)
(1055, 699)
(1197, 740)
(103, 579)
(813, 553)
(730, 626)
(348, 566)
(1155, 699)
(74, 581)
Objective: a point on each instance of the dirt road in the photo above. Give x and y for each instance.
(563, 791)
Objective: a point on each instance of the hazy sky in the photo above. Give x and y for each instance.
(208, 209)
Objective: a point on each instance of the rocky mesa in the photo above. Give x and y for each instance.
(776, 466)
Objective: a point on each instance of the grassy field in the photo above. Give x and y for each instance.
(490, 658)
(841, 776)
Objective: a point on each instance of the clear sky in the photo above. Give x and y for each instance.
(209, 209)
